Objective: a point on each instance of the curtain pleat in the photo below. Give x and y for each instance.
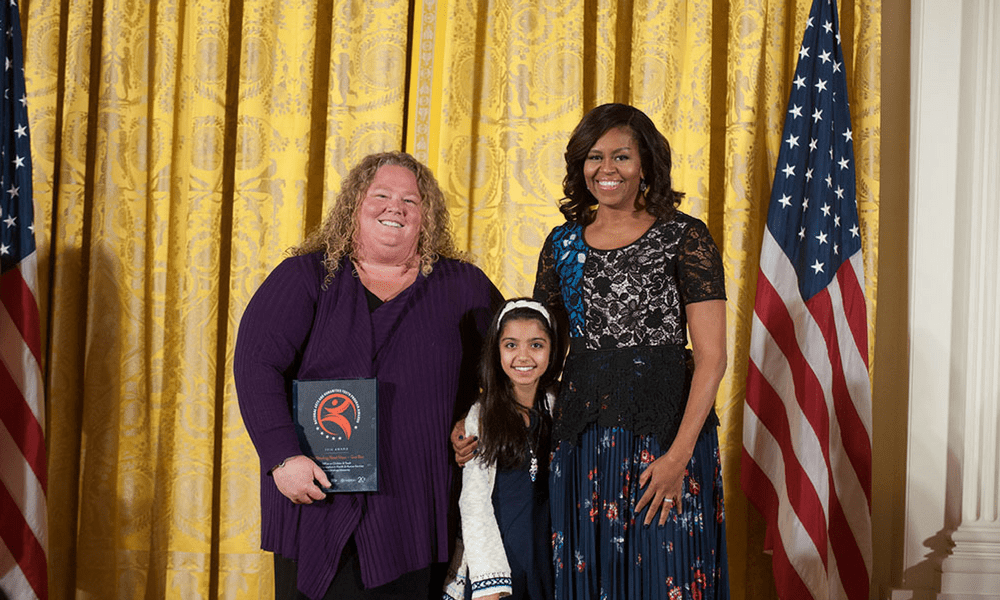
(180, 149)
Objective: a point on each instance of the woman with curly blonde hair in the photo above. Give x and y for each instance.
(336, 236)
(378, 291)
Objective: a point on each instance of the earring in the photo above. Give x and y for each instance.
(642, 186)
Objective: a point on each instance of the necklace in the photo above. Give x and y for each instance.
(534, 433)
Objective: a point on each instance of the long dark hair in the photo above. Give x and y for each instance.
(660, 198)
(502, 436)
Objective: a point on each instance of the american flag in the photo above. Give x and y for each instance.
(806, 461)
(23, 528)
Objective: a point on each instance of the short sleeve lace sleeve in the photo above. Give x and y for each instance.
(546, 278)
(699, 266)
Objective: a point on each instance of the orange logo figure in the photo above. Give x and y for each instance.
(330, 413)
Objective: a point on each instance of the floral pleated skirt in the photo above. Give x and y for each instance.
(602, 551)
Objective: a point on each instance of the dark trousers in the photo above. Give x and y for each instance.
(424, 584)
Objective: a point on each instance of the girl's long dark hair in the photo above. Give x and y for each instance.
(503, 439)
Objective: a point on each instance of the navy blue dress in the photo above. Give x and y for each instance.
(521, 507)
(622, 396)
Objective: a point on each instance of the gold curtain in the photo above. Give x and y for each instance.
(181, 147)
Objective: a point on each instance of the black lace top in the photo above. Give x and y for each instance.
(628, 364)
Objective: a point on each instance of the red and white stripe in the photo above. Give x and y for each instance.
(23, 528)
(807, 429)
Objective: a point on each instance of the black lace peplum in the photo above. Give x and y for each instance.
(628, 365)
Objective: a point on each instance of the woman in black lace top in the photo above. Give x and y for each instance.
(636, 482)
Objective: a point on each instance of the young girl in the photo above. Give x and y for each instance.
(504, 502)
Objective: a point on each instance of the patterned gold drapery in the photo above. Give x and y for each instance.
(181, 147)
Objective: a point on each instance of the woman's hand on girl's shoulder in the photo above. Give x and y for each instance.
(463, 445)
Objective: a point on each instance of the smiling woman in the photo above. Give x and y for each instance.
(389, 219)
(378, 292)
(388, 231)
(613, 170)
(381, 175)
(633, 433)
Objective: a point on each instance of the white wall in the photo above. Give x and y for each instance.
(952, 531)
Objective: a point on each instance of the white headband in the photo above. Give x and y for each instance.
(535, 306)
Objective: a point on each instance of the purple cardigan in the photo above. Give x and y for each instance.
(422, 346)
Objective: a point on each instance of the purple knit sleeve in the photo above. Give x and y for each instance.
(272, 333)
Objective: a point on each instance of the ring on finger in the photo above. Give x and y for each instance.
(668, 500)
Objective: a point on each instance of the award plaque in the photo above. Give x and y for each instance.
(337, 423)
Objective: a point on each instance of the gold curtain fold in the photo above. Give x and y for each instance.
(180, 148)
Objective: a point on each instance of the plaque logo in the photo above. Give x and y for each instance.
(336, 414)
